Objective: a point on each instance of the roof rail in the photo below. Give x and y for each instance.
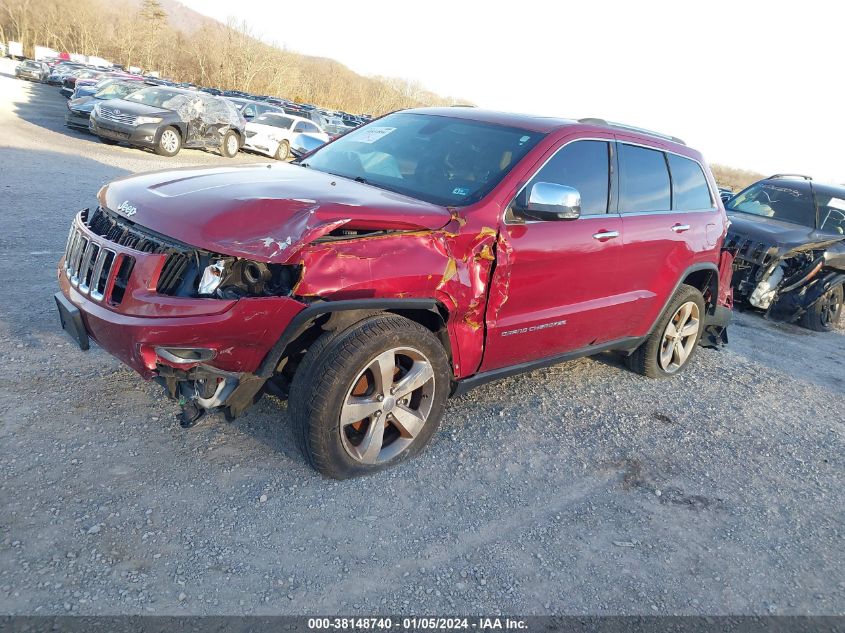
(789, 176)
(630, 128)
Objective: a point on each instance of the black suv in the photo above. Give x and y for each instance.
(788, 236)
(166, 119)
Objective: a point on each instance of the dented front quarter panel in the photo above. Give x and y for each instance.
(451, 265)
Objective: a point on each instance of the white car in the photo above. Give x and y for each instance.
(271, 133)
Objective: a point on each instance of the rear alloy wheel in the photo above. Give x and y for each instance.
(169, 143)
(230, 144)
(825, 313)
(674, 339)
(370, 396)
(283, 151)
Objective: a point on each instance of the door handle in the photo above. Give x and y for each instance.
(603, 236)
(680, 228)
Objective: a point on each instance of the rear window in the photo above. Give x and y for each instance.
(689, 186)
(643, 180)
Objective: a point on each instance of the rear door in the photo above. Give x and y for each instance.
(561, 278)
(669, 224)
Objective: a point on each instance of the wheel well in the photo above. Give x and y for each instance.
(432, 320)
(175, 126)
(707, 281)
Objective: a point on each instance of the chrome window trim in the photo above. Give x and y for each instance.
(606, 214)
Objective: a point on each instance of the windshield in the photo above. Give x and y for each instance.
(443, 160)
(117, 90)
(275, 120)
(780, 201)
(156, 97)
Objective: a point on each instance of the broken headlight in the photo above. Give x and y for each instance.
(211, 278)
(233, 278)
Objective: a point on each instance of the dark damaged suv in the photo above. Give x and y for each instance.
(414, 258)
(788, 236)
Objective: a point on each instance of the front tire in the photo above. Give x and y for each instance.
(169, 142)
(674, 340)
(229, 145)
(369, 397)
(824, 314)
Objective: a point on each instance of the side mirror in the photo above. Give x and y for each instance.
(550, 201)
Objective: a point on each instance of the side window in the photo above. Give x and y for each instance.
(583, 165)
(302, 126)
(643, 180)
(310, 127)
(689, 186)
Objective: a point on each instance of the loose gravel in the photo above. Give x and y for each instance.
(580, 489)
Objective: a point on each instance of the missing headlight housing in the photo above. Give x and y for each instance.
(233, 278)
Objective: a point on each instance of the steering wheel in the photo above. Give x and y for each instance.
(837, 216)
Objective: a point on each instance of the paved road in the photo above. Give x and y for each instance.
(577, 489)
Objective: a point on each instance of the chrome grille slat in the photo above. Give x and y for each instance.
(71, 244)
(85, 267)
(100, 281)
(109, 114)
(78, 255)
(97, 270)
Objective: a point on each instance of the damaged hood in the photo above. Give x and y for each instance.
(264, 212)
(783, 236)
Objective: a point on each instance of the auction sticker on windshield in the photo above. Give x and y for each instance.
(372, 134)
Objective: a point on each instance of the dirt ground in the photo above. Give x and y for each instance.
(580, 489)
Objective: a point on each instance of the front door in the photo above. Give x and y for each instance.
(563, 287)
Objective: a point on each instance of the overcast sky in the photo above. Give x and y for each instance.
(756, 85)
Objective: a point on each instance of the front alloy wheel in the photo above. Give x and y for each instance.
(169, 143)
(824, 314)
(369, 396)
(387, 405)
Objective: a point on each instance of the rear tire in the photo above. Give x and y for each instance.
(825, 313)
(169, 142)
(230, 144)
(674, 339)
(346, 374)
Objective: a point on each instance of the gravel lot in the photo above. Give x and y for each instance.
(578, 489)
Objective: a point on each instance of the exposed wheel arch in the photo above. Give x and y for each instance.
(318, 318)
(706, 273)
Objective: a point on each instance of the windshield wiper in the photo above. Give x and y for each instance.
(361, 179)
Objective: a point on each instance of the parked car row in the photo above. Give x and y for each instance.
(152, 113)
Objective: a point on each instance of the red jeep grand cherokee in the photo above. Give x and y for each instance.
(416, 257)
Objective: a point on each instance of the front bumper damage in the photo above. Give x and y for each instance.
(785, 281)
(205, 351)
